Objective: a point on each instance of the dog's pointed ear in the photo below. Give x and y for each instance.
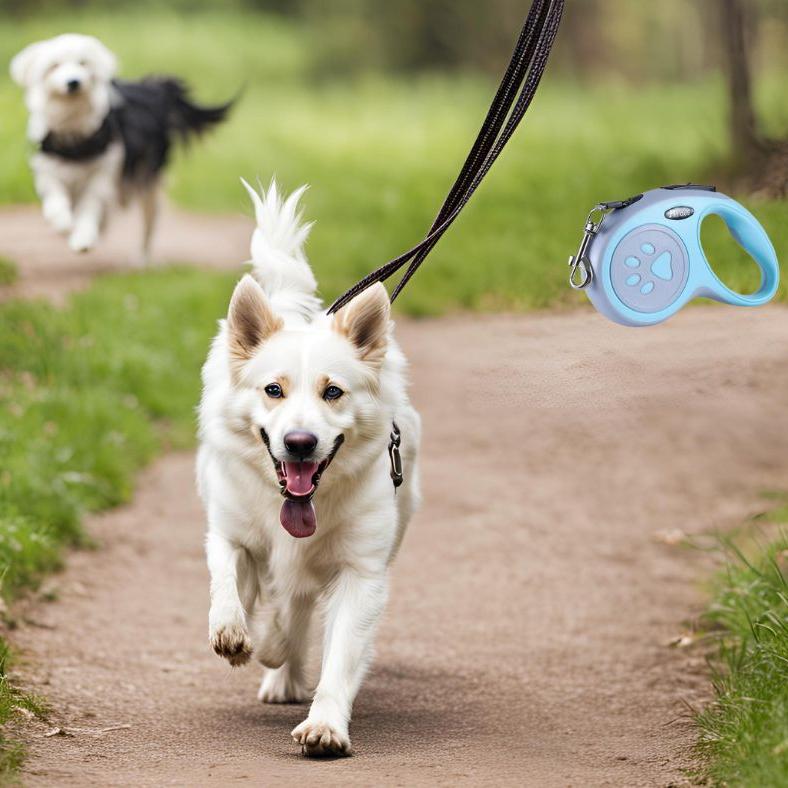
(365, 322)
(22, 64)
(250, 321)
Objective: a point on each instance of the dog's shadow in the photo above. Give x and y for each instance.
(398, 707)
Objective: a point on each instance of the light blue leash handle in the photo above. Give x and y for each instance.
(644, 261)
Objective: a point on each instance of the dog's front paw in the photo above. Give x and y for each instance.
(280, 686)
(231, 641)
(320, 739)
(59, 215)
(83, 239)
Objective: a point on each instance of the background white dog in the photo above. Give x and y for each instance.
(99, 141)
(289, 390)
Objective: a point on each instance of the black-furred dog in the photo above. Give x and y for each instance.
(100, 141)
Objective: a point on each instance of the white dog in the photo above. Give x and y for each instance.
(289, 391)
(100, 141)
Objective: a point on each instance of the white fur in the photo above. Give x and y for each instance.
(265, 584)
(77, 197)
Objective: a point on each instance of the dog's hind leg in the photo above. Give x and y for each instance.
(149, 200)
(285, 682)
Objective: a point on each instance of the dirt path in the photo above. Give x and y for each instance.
(48, 269)
(525, 641)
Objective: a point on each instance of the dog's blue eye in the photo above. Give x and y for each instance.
(333, 392)
(274, 390)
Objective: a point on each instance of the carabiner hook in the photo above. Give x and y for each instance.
(582, 267)
(579, 263)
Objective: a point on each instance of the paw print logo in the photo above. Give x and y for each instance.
(649, 268)
(660, 268)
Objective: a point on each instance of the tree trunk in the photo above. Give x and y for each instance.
(746, 141)
(584, 38)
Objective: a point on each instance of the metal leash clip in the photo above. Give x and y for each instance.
(394, 456)
(579, 263)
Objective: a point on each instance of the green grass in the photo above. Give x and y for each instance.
(744, 732)
(12, 702)
(8, 271)
(380, 154)
(88, 394)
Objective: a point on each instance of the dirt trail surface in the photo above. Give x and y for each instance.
(525, 642)
(48, 269)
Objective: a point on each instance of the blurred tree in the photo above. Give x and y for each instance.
(582, 34)
(621, 40)
(612, 39)
(735, 44)
(763, 162)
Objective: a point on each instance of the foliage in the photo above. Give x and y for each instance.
(672, 40)
(88, 394)
(744, 732)
(12, 703)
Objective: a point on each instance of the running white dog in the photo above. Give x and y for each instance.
(100, 141)
(289, 390)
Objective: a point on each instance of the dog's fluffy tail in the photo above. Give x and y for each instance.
(153, 113)
(278, 260)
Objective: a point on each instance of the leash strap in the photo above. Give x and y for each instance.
(523, 74)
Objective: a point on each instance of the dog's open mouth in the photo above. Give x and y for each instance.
(298, 482)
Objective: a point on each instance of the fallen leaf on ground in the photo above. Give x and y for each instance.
(670, 536)
(681, 641)
(56, 732)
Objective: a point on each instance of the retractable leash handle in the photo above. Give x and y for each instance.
(641, 259)
(751, 236)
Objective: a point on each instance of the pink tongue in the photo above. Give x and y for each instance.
(298, 518)
(299, 477)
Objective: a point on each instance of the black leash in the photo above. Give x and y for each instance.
(523, 74)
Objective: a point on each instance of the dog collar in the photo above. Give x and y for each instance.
(80, 148)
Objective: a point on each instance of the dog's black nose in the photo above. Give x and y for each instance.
(73, 85)
(300, 443)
